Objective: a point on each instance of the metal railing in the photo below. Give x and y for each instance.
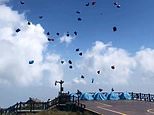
(143, 97)
(32, 106)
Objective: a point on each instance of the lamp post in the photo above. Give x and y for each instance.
(61, 87)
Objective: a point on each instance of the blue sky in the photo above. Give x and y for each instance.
(133, 20)
(130, 48)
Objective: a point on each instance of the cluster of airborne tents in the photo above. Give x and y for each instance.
(104, 96)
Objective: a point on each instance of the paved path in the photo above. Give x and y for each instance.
(120, 107)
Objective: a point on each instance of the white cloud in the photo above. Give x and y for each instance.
(66, 39)
(130, 69)
(52, 68)
(144, 58)
(145, 65)
(16, 49)
(102, 56)
(79, 81)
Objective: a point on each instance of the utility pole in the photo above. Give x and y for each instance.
(61, 87)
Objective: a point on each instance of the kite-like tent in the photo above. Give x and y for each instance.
(113, 96)
(99, 96)
(125, 96)
(87, 96)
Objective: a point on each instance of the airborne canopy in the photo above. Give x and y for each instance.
(31, 61)
(53, 38)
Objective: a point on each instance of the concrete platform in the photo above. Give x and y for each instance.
(121, 107)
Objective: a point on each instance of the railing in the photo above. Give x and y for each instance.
(76, 100)
(32, 106)
(26, 107)
(1, 111)
(143, 97)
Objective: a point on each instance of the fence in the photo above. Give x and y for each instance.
(142, 97)
(32, 107)
(64, 99)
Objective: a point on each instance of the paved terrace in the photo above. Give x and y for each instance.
(121, 107)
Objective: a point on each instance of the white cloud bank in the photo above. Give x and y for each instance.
(131, 70)
(16, 49)
(67, 39)
(78, 81)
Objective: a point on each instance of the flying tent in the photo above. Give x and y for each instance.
(75, 33)
(87, 96)
(99, 96)
(87, 4)
(125, 96)
(31, 61)
(100, 89)
(57, 34)
(113, 96)
(22, 2)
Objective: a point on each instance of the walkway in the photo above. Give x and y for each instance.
(121, 107)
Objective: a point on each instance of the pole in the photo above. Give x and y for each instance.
(61, 86)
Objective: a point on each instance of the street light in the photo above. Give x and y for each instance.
(61, 87)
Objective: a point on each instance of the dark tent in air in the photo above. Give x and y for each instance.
(82, 76)
(125, 96)
(18, 30)
(70, 66)
(75, 33)
(80, 53)
(79, 19)
(87, 4)
(40, 17)
(31, 61)
(77, 49)
(93, 3)
(99, 96)
(62, 62)
(112, 96)
(22, 2)
(100, 89)
(28, 23)
(87, 96)
(92, 80)
(57, 34)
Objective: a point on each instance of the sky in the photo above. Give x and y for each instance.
(130, 49)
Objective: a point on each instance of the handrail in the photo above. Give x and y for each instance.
(32, 106)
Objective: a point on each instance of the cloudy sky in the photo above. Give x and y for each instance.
(130, 49)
